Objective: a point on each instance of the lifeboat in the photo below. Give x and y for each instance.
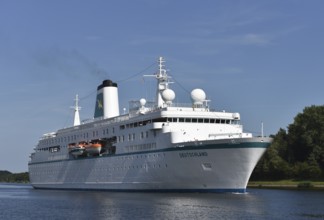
(76, 150)
(93, 148)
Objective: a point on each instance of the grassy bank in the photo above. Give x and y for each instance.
(287, 184)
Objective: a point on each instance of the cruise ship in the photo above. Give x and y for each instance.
(155, 146)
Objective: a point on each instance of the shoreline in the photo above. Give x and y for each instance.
(287, 184)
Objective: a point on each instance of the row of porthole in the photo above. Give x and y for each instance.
(145, 166)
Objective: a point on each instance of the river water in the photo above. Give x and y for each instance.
(21, 201)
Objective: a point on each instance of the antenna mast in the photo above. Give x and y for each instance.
(262, 134)
(76, 108)
(162, 82)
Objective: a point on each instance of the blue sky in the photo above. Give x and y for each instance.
(261, 58)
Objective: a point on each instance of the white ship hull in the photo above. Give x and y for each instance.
(156, 146)
(217, 167)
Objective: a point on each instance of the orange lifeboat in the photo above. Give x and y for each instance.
(93, 148)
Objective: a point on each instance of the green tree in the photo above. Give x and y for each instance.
(298, 153)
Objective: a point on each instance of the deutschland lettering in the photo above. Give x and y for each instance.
(193, 154)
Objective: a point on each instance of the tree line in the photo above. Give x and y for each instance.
(8, 177)
(298, 152)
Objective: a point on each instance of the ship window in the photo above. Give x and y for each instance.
(206, 120)
(227, 121)
(113, 131)
(181, 119)
(188, 119)
(142, 135)
(169, 119)
(212, 120)
(175, 120)
(135, 124)
(222, 121)
(217, 121)
(147, 134)
(194, 120)
(122, 127)
(133, 136)
(160, 120)
(200, 120)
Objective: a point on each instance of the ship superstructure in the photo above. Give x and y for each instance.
(156, 146)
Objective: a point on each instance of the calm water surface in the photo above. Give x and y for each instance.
(23, 202)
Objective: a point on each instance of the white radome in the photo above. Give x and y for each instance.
(198, 96)
(142, 102)
(168, 95)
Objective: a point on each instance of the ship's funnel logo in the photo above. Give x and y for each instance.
(99, 103)
(99, 111)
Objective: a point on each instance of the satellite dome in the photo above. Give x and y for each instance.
(168, 95)
(142, 102)
(198, 96)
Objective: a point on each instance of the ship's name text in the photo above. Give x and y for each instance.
(193, 154)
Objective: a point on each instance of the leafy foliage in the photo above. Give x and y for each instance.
(6, 176)
(298, 153)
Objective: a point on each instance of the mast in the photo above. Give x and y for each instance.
(262, 135)
(76, 108)
(162, 82)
